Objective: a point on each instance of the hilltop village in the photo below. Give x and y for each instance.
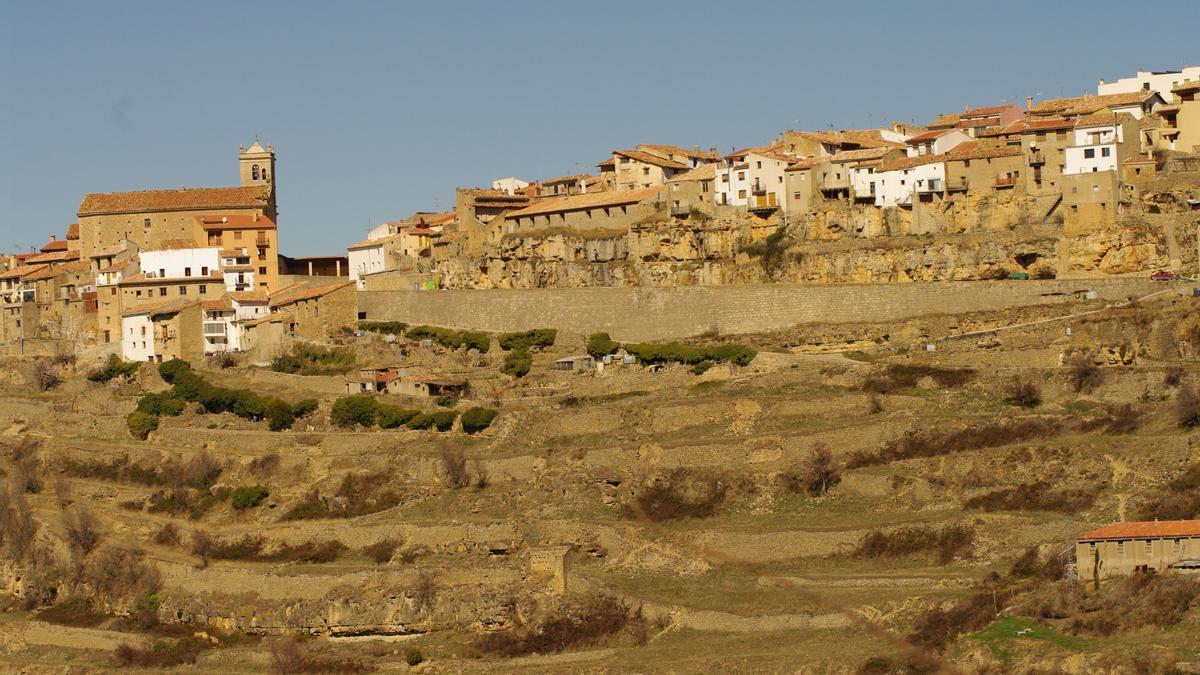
(895, 400)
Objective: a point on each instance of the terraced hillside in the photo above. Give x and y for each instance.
(847, 501)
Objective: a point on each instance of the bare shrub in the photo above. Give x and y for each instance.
(381, 551)
(1122, 419)
(1023, 392)
(897, 377)
(202, 546)
(1083, 374)
(1187, 407)
(162, 654)
(118, 572)
(816, 474)
(359, 494)
(680, 494)
(425, 591)
(1031, 565)
(1178, 500)
(45, 375)
(936, 442)
(288, 658)
(940, 626)
(482, 480)
(948, 542)
(576, 623)
(874, 405)
(1134, 602)
(167, 535)
(264, 466)
(1039, 496)
(1172, 376)
(454, 466)
(82, 531)
(17, 527)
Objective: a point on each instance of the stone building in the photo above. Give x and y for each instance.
(317, 313)
(254, 234)
(1180, 130)
(1122, 549)
(150, 217)
(163, 331)
(595, 212)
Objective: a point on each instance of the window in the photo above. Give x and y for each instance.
(741, 194)
(759, 165)
(1120, 548)
(741, 175)
(1177, 546)
(183, 290)
(237, 234)
(162, 273)
(203, 289)
(146, 223)
(1074, 208)
(254, 172)
(203, 271)
(645, 171)
(1105, 152)
(1089, 153)
(1149, 547)
(139, 294)
(187, 271)
(162, 291)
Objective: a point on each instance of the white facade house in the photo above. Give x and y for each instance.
(897, 182)
(1095, 149)
(236, 270)
(509, 185)
(221, 334)
(753, 178)
(937, 142)
(137, 336)
(181, 263)
(1161, 81)
(369, 256)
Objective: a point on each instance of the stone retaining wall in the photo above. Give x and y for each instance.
(667, 313)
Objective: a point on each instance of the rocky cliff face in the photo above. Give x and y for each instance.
(965, 237)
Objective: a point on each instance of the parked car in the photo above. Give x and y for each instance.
(1019, 275)
(1164, 276)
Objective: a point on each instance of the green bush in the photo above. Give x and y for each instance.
(314, 360)
(114, 367)
(305, 407)
(517, 363)
(443, 420)
(161, 404)
(393, 417)
(600, 344)
(420, 421)
(447, 400)
(385, 327)
(141, 424)
(674, 352)
(475, 420)
(170, 369)
(538, 337)
(286, 364)
(413, 657)
(279, 415)
(452, 339)
(356, 410)
(248, 496)
(702, 367)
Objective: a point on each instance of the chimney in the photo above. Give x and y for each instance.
(1028, 102)
(256, 216)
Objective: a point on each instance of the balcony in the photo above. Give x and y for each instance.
(1006, 181)
(931, 185)
(214, 329)
(758, 188)
(680, 210)
(1037, 157)
(261, 241)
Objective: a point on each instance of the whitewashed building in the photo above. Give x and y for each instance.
(896, 182)
(178, 260)
(753, 178)
(1160, 81)
(936, 142)
(1096, 142)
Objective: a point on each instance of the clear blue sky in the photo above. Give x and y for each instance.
(378, 109)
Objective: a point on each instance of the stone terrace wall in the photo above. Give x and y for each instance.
(678, 312)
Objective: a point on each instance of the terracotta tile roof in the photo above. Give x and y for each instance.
(110, 251)
(931, 135)
(54, 245)
(703, 172)
(168, 307)
(589, 200)
(988, 111)
(372, 243)
(647, 158)
(565, 179)
(912, 162)
(802, 164)
(1100, 119)
(860, 155)
(248, 297)
(53, 257)
(1051, 124)
(610, 162)
(237, 268)
(1145, 530)
(73, 231)
(1190, 85)
(1086, 105)
(1140, 159)
(217, 305)
(943, 121)
(277, 317)
(977, 122)
(182, 199)
(42, 274)
(20, 271)
(234, 222)
(676, 150)
(982, 151)
(306, 293)
(1011, 129)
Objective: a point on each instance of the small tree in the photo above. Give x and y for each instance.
(600, 344)
(475, 420)
(454, 464)
(248, 496)
(1022, 392)
(1187, 407)
(1083, 374)
(141, 424)
(357, 410)
(817, 473)
(45, 375)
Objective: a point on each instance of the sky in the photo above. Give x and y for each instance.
(380, 109)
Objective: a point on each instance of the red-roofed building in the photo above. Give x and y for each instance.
(1122, 549)
(150, 217)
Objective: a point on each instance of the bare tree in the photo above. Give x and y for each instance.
(82, 531)
(17, 527)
